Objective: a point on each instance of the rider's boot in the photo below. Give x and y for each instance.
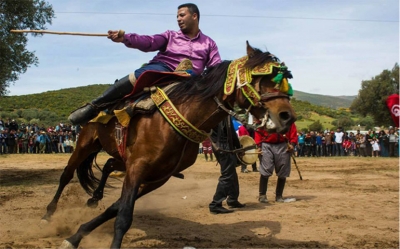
(262, 197)
(115, 92)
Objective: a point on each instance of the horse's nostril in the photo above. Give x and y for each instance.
(284, 116)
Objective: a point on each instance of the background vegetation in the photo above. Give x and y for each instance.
(372, 96)
(314, 112)
(52, 107)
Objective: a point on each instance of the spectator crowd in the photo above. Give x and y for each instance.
(330, 143)
(36, 139)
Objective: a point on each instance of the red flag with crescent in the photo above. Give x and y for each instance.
(392, 103)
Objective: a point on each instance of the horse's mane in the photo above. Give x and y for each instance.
(259, 58)
(210, 82)
(201, 86)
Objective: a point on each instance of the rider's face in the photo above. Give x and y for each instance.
(186, 21)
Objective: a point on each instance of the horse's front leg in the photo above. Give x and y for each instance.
(85, 229)
(125, 213)
(111, 165)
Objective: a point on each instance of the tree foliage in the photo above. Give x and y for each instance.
(304, 109)
(371, 99)
(316, 126)
(345, 122)
(15, 58)
(368, 122)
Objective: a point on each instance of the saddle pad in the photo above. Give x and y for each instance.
(102, 118)
(144, 105)
(152, 78)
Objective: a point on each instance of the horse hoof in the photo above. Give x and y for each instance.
(66, 245)
(92, 203)
(44, 222)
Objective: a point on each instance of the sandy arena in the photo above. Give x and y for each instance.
(341, 203)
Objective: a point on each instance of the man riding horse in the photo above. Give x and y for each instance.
(173, 46)
(256, 82)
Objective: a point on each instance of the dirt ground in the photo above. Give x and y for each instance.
(341, 203)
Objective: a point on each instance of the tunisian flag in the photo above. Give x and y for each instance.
(392, 103)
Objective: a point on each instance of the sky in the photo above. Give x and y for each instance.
(330, 46)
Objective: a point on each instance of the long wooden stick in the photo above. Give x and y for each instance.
(297, 167)
(56, 32)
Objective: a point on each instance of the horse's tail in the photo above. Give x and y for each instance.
(85, 174)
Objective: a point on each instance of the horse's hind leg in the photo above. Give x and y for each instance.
(65, 178)
(85, 147)
(111, 165)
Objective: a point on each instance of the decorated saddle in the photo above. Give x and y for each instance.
(139, 101)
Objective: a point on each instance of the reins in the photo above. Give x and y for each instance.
(273, 95)
(264, 98)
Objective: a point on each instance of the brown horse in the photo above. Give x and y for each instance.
(155, 151)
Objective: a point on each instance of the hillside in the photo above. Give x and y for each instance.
(54, 106)
(61, 102)
(333, 102)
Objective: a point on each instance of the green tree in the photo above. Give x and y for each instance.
(316, 126)
(30, 114)
(367, 121)
(15, 58)
(371, 99)
(345, 122)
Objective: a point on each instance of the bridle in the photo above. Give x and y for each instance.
(265, 97)
(239, 79)
(254, 97)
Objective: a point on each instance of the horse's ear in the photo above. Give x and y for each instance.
(250, 49)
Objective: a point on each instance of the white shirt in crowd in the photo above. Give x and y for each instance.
(339, 137)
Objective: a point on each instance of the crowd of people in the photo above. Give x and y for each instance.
(36, 139)
(61, 138)
(330, 143)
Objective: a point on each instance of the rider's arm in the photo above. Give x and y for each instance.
(146, 43)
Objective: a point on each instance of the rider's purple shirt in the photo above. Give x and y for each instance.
(174, 46)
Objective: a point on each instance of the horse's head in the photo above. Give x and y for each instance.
(262, 81)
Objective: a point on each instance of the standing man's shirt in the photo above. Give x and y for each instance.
(339, 137)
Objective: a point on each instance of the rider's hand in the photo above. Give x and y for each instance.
(116, 35)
